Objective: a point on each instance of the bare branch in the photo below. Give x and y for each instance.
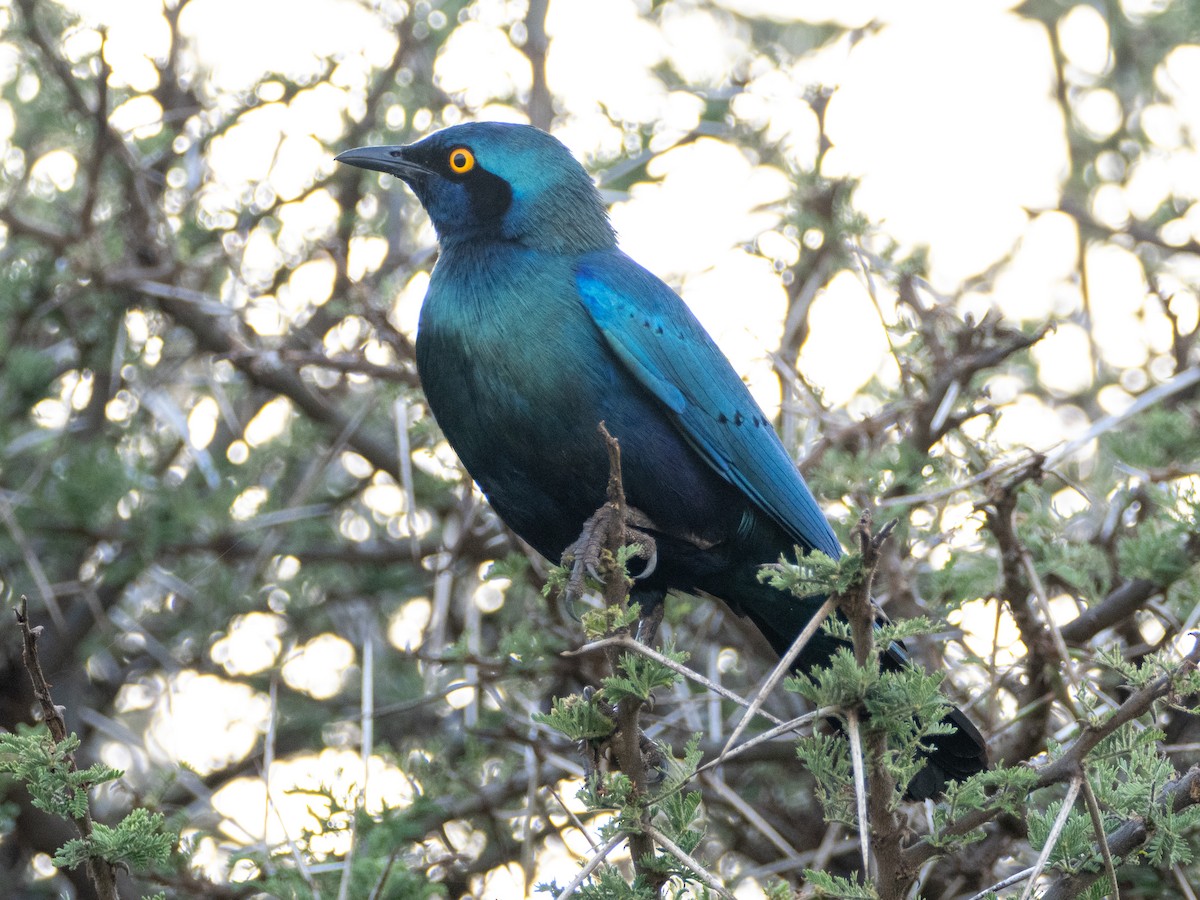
(102, 874)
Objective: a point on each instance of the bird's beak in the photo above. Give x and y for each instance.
(390, 160)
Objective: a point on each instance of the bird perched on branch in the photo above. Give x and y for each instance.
(536, 328)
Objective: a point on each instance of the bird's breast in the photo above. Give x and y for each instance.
(503, 340)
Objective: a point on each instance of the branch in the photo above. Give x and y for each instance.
(1138, 704)
(1118, 606)
(882, 821)
(541, 104)
(1136, 230)
(1128, 837)
(782, 668)
(625, 642)
(1060, 822)
(597, 858)
(1015, 591)
(626, 740)
(690, 862)
(101, 873)
(1071, 762)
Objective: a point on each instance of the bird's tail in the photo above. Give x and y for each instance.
(953, 756)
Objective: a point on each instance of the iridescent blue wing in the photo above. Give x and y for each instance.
(656, 337)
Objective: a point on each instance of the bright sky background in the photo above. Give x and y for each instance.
(947, 114)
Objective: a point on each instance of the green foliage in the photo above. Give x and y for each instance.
(1127, 775)
(681, 771)
(132, 296)
(45, 768)
(606, 883)
(1157, 552)
(827, 759)
(905, 706)
(835, 887)
(140, 840)
(612, 791)
(600, 623)
(1074, 841)
(966, 575)
(1002, 789)
(842, 684)
(1163, 437)
(908, 707)
(814, 574)
(579, 718)
(639, 676)
(514, 567)
(590, 717)
(680, 819)
(1083, 566)
(1150, 669)
(527, 646)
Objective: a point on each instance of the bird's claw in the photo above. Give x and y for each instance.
(651, 559)
(585, 556)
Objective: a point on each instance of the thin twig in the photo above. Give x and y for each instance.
(1184, 883)
(1060, 646)
(782, 669)
(728, 753)
(1055, 832)
(590, 866)
(1015, 878)
(405, 465)
(45, 589)
(1133, 832)
(1181, 382)
(750, 814)
(626, 642)
(1093, 806)
(860, 789)
(684, 857)
(367, 726)
(574, 819)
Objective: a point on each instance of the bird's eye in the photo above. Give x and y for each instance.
(461, 160)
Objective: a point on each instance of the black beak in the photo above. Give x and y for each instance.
(389, 160)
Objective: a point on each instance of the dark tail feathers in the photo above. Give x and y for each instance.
(954, 757)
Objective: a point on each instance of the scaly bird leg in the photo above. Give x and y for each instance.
(600, 532)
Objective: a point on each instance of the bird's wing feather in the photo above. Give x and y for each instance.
(656, 337)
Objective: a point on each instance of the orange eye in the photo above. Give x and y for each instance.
(461, 160)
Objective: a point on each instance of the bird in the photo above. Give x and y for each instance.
(536, 328)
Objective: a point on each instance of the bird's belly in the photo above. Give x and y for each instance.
(524, 419)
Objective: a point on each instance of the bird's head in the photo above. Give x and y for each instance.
(485, 181)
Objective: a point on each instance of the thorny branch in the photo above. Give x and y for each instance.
(102, 873)
(606, 533)
(888, 871)
(1014, 593)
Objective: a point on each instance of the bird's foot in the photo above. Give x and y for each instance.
(604, 531)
